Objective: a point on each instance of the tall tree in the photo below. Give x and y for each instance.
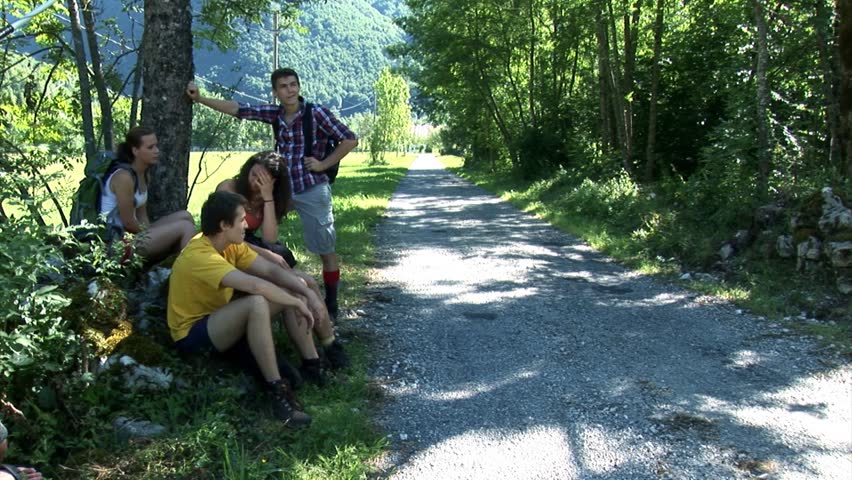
(83, 78)
(392, 124)
(98, 75)
(650, 149)
(844, 42)
(762, 95)
(167, 66)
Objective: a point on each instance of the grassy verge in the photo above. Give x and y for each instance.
(593, 212)
(217, 425)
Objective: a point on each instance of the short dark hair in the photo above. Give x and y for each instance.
(220, 207)
(284, 72)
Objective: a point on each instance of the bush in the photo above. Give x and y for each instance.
(44, 353)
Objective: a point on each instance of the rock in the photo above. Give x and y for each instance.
(742, 238)
(810, 249)
(156, 277)
(844, 280)
(839, 253)
(142, 377)
(784, 246)
(705, 277)
(726, 252)
(686, 276)
(128, 428)
(835, 216)
(768, 216)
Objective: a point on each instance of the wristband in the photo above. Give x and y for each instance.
(267, 201)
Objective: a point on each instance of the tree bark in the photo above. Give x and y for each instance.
(827, 61)
(98, 76)
(762, 97)
(844, 45)
(631, 21)
(167, 67)
(650, 152)
(136, 93)
(603, 82)
(83, 76)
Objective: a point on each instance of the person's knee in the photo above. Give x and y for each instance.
(258, 306)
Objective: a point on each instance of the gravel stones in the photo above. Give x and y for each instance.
(509, 349)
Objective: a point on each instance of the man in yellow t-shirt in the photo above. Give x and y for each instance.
(203, 315)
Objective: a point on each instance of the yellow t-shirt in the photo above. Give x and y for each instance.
(195, 288)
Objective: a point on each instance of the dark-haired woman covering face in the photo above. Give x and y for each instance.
(155, 240)
(262, 180)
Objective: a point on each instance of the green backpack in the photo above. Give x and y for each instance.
(87, 200)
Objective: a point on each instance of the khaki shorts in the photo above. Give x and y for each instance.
(314, 209)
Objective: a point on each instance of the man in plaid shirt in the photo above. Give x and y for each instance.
(309, 185)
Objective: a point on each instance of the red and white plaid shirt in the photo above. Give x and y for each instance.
(290, 143)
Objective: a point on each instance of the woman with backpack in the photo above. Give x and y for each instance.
(125, 197)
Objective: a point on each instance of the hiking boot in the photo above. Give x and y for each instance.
(333, 310)
(336, 357)
(286, 406)
(312, 372)
(289, 372)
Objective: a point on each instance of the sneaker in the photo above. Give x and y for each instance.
(286, 406)
(337, 358)
(312, 372)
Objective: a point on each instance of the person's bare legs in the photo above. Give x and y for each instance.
(249, 316)
(161, 237)
(322, 326)
(300, 335)
(330, 262)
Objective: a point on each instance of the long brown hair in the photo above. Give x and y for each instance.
(276, 166)
(132, 140)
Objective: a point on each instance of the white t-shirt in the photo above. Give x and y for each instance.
(109, 202)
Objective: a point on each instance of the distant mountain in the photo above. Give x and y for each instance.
(337, 48)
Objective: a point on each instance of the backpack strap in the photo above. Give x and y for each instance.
(308, 129)
(123, 166)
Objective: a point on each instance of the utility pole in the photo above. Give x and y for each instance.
(275, 41)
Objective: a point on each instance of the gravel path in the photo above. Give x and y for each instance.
(512, 350)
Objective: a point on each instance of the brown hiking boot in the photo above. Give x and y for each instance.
(286, 406)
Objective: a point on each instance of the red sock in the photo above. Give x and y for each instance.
(331, 278)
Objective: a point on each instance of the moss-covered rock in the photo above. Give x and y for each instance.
(144, 350)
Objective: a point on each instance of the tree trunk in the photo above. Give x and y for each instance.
(167, 67)
(618, 101)
(650, 152)
(827, 63)
(844, 45)
(98, 76)
(762, 100)
(136, 96)
(603, 82)
(531, 53)
(83, 76)
(631, 21)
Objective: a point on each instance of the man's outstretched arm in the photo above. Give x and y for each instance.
(225, 106)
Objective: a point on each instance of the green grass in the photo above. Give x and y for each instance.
(768, 288)
(215, 430)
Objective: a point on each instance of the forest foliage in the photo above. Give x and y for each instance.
(713, 107)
